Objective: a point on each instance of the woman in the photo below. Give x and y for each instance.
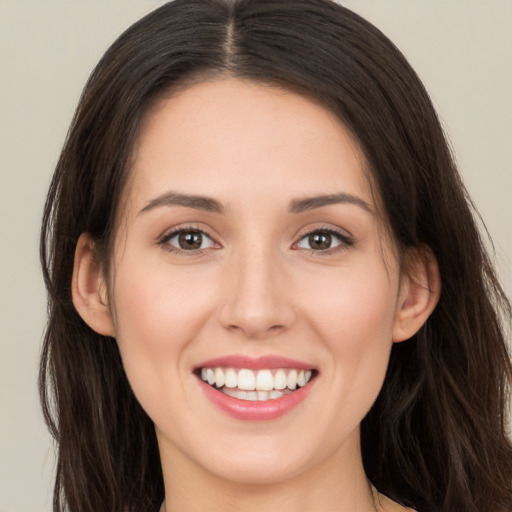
(266, 285)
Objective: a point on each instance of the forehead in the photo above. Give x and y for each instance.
(234, 139)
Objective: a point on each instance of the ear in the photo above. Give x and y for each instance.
(420, 289)
(89, 289)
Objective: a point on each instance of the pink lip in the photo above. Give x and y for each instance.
(255, 411)
(255, 363)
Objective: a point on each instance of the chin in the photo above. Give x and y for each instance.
(250, 459)
(259, 470)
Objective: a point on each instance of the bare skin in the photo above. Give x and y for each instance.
(270, 274)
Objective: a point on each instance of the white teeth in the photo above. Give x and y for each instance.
(250, 395)
(292, 379)
(262, 395)
(264, 380)
(231, 379)
(246, 380)
(219, 377)
(235, 393)
(264, 383)
(280, 381)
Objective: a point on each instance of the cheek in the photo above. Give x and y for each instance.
(156, 309)
(156, 319)
(354, 317)
(145, 316)
(357, 307)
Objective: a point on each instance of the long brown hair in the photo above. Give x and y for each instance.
(436, 438)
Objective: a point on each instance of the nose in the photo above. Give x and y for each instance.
(257, 295)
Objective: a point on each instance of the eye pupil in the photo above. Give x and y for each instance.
(320, 240)
(190, 240)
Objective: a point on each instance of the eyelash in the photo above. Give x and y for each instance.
(164, 241)
(344, 241)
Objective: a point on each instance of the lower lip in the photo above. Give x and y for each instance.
(258, 410)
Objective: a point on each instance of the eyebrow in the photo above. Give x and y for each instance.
(198, 202)
(189, 201)
(311, 203)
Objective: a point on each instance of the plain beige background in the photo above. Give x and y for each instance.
(462, 49)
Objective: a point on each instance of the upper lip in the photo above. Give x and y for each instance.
(254, 363)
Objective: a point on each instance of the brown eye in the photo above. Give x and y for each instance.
(189, 240)
(323, 240)
(320, 241)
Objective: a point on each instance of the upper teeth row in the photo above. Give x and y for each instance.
(262, 380)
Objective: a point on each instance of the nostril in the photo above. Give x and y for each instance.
(255, 330)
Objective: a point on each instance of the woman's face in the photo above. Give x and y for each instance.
(250, 251)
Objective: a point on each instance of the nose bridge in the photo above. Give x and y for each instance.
(256, 301)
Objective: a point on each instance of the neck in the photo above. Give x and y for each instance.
(338, 484)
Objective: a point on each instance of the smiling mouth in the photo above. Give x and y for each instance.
(256, 385)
